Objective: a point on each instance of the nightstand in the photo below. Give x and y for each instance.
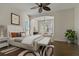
(4, 41)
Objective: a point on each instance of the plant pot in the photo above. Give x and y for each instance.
(73, 42)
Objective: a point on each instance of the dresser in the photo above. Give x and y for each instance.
(3, 42)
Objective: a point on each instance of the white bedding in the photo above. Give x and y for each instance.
(30, 39)
(44, 41)
(30, 42)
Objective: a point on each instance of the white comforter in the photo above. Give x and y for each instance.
(35, 40)
(30, 39)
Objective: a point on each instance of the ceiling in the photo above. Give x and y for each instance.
(25, 7)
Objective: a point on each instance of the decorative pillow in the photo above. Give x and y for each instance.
(13, 34)
(23, 34)
(18, 34)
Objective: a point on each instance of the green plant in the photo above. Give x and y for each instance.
(71, 35)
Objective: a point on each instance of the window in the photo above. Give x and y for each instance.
(43, 24)
(26, 25)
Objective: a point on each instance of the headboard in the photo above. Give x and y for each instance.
(13, 28)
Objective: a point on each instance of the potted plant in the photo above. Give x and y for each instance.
(71, 36)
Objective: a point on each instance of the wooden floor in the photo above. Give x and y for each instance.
(63, 49)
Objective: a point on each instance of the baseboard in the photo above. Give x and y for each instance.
(61, 40)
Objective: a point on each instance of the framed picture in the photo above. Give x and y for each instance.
(15, 19)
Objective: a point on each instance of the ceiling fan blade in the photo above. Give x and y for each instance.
(37, 4)
(46, 8)
(40, 9)
(34, 7)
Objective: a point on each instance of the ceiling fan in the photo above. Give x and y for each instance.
(42, 6)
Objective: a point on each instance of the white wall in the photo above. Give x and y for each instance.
(64, 20)
(5, 14)
(77, 22)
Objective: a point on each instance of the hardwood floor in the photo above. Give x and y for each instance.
(65, 49)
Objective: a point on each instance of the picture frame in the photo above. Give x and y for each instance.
(15, 19)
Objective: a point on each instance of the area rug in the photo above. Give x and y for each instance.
(16, 51)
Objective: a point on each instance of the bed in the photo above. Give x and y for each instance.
(26, 42)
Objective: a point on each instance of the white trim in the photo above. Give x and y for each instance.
(60, 40)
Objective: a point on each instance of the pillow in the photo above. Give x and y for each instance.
(15, 34)
(18, 34)
(23, 34)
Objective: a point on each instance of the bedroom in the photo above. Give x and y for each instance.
(59, 19)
